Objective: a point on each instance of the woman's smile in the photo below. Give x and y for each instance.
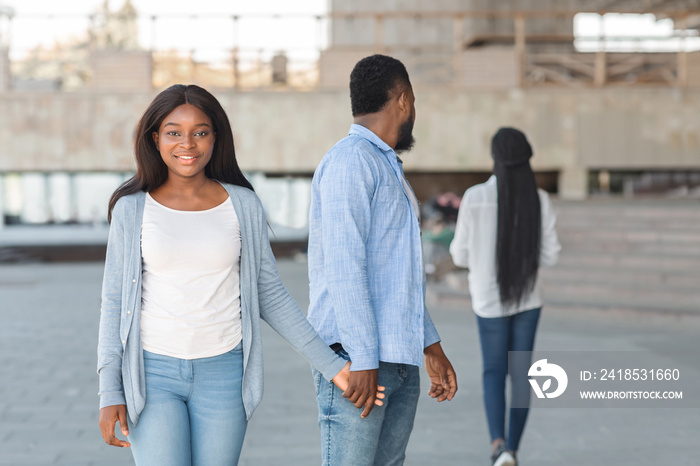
(187, 159)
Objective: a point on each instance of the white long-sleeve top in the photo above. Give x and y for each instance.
(474, 247)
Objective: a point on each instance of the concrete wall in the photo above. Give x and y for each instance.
(121, 70)
(427, 44)
(288, 132)
(413, 31)
(5, 77)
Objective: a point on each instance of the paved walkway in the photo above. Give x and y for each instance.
(48, 386)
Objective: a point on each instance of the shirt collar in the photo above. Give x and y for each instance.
(361, 131)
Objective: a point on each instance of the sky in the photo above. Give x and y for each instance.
(300, 34)
(619, 25)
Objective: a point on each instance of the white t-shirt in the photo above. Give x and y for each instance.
(191, 305)
(474, 247)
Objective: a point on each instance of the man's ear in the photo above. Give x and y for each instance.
(404, 104)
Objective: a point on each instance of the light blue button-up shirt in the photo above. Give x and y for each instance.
(367, 286)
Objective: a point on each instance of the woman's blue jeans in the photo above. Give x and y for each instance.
(194, 414)
(499, 335)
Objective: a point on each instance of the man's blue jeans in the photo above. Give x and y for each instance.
(498, 335)
(381, 438)
(194, 414)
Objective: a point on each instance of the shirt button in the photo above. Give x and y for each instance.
(128, 312)
(133, 281)
(123, 342)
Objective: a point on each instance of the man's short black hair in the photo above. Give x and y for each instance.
(372, 81)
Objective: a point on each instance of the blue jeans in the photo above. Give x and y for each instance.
(194, 414)
(381, 438)
(499, 335)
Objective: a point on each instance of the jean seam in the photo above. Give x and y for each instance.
(328, 426)
(190, 382)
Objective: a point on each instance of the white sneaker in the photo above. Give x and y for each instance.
(504, 459)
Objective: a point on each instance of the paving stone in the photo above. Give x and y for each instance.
(48, 413)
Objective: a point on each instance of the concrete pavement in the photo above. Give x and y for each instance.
(48, 386)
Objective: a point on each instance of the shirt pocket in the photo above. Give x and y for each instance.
(390, 209)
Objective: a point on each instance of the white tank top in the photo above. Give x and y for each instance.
(191, 305)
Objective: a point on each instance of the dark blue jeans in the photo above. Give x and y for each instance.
(498, 335)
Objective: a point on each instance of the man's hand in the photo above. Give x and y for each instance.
(443, 380)
(109, 415)
(342, 381)
(362, 390)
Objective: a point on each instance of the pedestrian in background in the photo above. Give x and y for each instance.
(367, 284)
(189, 273)
(505, 231)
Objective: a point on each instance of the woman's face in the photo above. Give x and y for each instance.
(185, 141)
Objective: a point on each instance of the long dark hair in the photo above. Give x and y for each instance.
(519, 218)
(151, 171)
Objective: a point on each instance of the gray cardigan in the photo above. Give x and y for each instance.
(119, 350)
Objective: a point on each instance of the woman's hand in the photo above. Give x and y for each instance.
(342, 381)
(109, 415)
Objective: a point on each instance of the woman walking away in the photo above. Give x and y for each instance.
(504, 233)
(189, 274)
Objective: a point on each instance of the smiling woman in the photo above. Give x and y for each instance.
(189, 274)
(185, 134)
(183, 121)
(185, 141)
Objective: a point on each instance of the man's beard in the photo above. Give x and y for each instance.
(406, 140)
